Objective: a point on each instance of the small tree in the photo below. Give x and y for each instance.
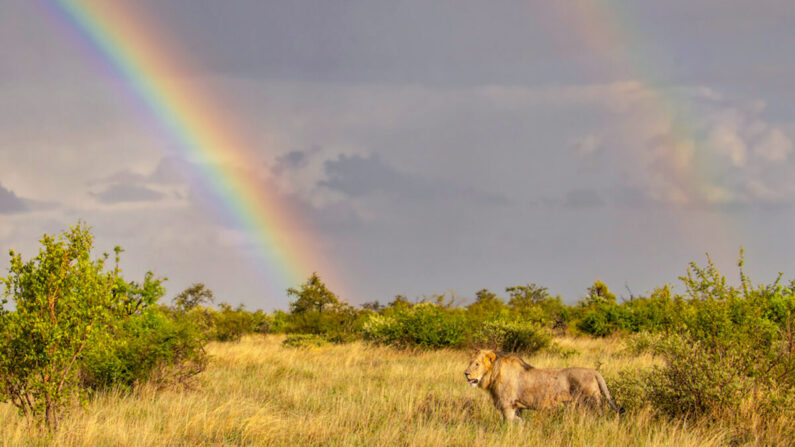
(193, 296)
(313, 295)
(131, 298)
(63, 299)
(317, 310)
(486, 305)
(598, 293)
(375, 306)
(400, 302)
(533, 302)
(527, 295)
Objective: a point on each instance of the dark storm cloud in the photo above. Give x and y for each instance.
(292, 160)
(358, 176)
(121, 193)
(10, 203)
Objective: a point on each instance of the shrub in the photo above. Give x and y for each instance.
(607, 318)
(595, 322)
(192, 297)
(230, 324)
(425, 325)
(156, 346)
(730, 356)
(632, 389)
(486, 306)
(534, 304)
(513, 337)
(279, 322)
(63, 301)
(304, 341)
(317, 310)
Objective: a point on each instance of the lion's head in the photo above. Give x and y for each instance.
(479, 366)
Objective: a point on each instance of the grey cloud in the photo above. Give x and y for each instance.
(358, 176)
(469, 41)
(293, 160)
(127, 186)
(624, 196)
(121, 193)
(168, 171)
(10, 203)
(583, 198)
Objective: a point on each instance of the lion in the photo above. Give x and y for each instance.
(514, 385)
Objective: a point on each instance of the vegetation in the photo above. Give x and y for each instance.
(258, 392)
(77, 328)
(63, 303)
(713, 365)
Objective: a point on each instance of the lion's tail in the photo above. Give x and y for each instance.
(606, 393)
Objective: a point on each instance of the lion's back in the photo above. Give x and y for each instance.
(546, 387)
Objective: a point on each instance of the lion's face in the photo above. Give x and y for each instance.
(479, 366)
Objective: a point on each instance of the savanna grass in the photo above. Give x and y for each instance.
(258, 392)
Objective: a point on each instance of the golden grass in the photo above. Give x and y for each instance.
(257, 392)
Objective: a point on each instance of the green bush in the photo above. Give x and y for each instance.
(533, 303)
(424, 325)
(230, 324)
(602, 317)
(596, 322)
(63, 300)
(730, 356)
(304, 341)
(156, 346)
(78, 328)
(519, 337)
(632, 389)
(317, 310)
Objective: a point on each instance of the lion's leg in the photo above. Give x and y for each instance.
(509, 414)
(595, 402)
(593, 398)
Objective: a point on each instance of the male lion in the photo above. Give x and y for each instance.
(514, 385)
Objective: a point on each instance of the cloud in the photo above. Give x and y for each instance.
(630, 197)
(361, 176)
(583, 198)
(168, 179)
(123, 193)
(725, 141)
(10, 203)
(358, 176)
(726, 152)
(293, 160)
(585, 146)
(774, 146)
(169, 171)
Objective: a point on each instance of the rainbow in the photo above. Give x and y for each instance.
(134, 51)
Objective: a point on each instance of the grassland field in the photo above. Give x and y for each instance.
(257, 392)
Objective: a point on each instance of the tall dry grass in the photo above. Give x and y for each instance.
(257, 392)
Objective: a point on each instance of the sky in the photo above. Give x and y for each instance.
(426, 147)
